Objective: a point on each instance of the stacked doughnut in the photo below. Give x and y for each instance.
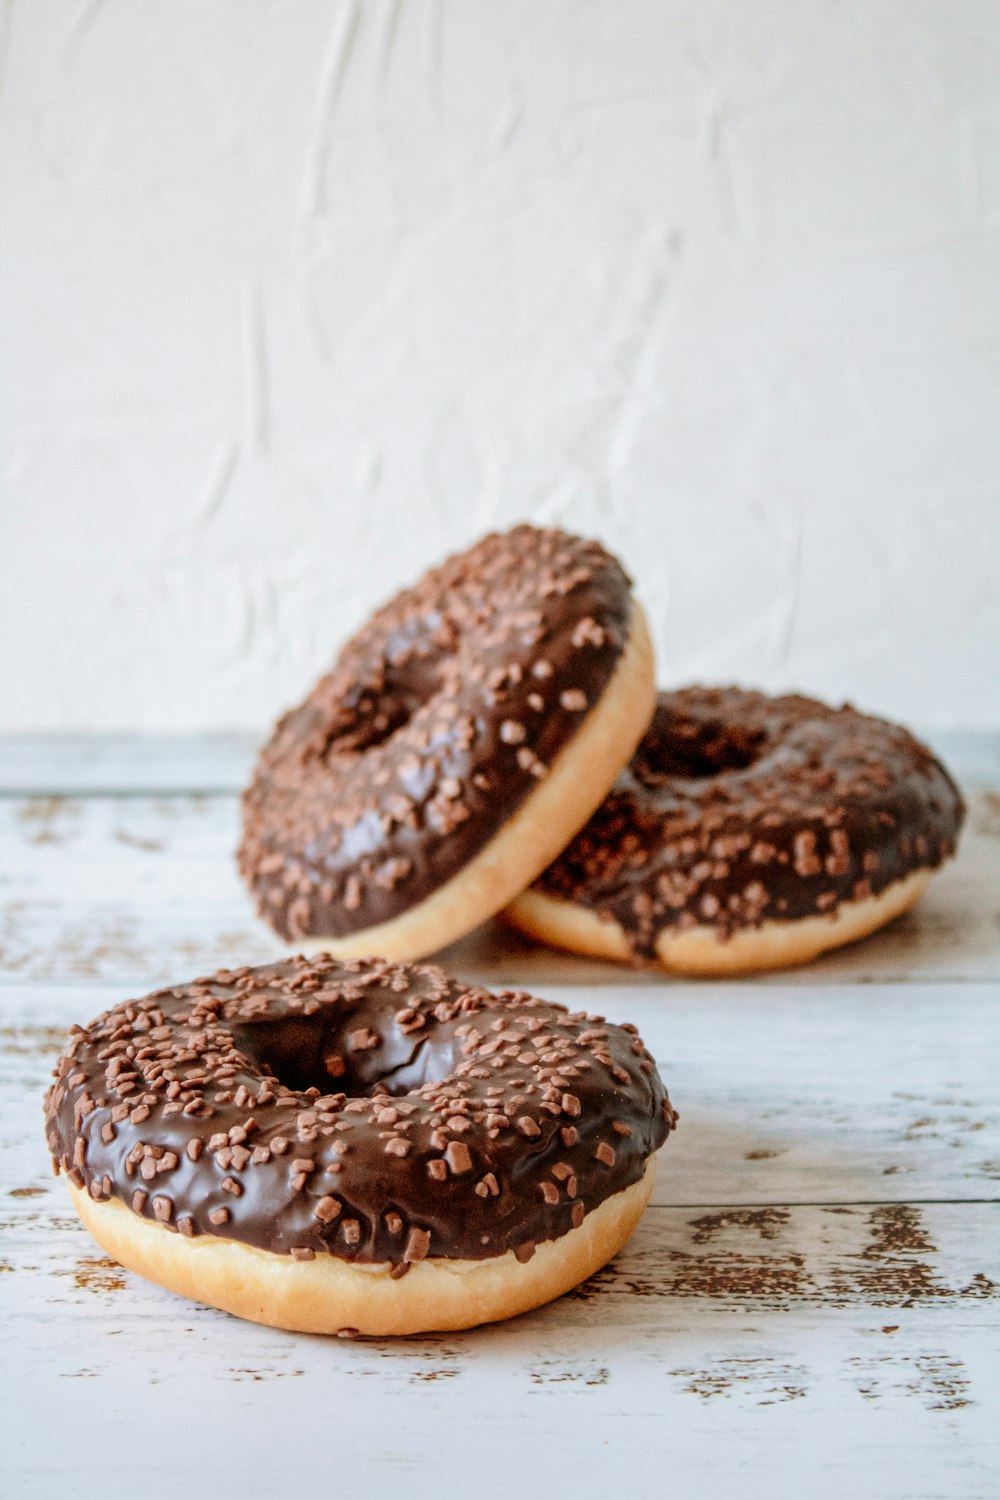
(462, 738)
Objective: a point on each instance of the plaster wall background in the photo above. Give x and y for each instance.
(295, 298)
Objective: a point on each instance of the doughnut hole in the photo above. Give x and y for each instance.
(337, 1054)
(695, 749)
(369, 718)
(417, 665)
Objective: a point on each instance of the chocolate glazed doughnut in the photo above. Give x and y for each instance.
(357, 1147)
(462, 737)
(749, 833)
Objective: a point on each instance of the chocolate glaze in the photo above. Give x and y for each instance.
(434, 725)
(739, 809)
(371, 1111)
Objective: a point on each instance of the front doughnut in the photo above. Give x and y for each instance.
(359, 1147)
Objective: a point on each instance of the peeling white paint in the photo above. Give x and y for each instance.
(294, 301)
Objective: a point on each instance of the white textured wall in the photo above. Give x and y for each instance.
(298, 296)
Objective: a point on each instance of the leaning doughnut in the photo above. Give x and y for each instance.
(749, 833)
(357, 1147)
(459, 742)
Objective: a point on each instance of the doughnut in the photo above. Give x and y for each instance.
(460, 740)
(357, 1146)
(749, 833)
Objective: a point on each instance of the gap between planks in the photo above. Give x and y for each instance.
(220, 763)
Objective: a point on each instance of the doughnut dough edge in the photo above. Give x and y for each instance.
(701, 950)
(577, 783)
(331, 1296)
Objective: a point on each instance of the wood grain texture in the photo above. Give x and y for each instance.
(822, 1351)
(118, 887)
(810, 1304)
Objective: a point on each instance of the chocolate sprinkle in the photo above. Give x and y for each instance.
(432, 728)
(738, 809)
(446, 1138)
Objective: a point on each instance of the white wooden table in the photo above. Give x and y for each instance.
(809, 1307)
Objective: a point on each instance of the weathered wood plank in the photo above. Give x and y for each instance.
(77, 764)
(145, 888)
(832, 1351)
(46, 765)
(810, 1303)
(121, 887)
(847, 1346)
